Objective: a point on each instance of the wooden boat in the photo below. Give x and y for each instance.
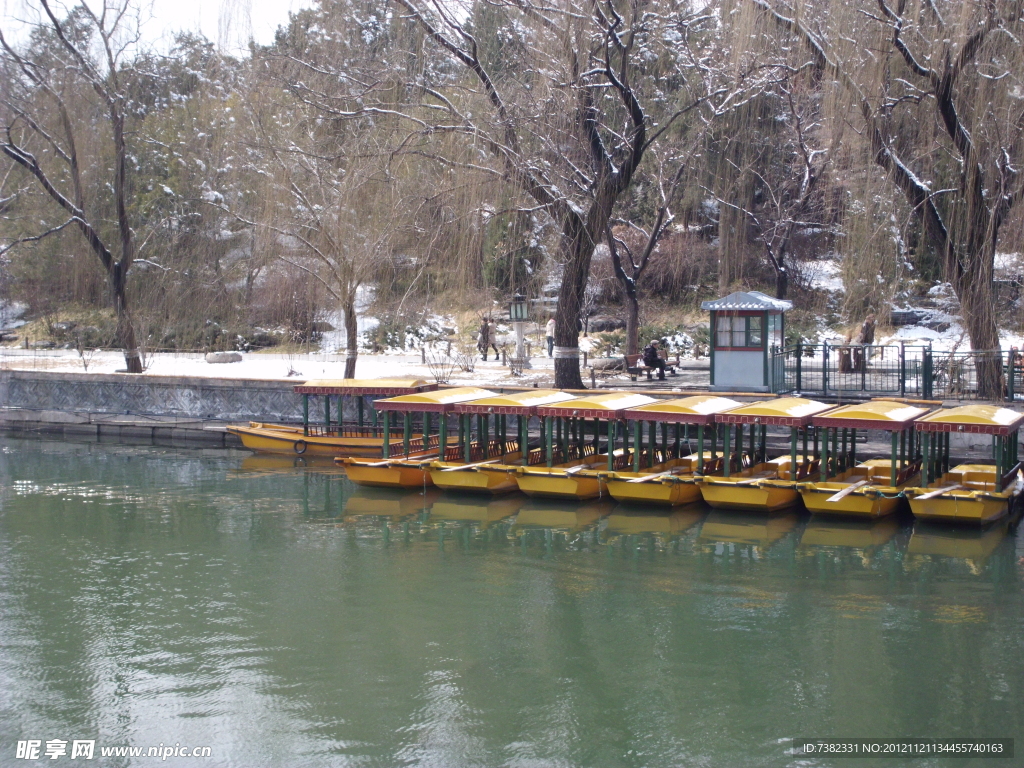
(968, 493)
(670, 471)
(758, 529)
(565, 429)
(870, 488)
(488, 471)
(357, 438)
(749, 480)
(411, 469)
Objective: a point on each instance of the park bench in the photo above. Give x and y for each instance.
(635, 365)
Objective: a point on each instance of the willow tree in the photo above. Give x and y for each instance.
(65, 106)
(564, 114)
(936, 87)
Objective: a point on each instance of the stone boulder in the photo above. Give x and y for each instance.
(223, 357)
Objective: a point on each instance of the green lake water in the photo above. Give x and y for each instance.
(283, 617)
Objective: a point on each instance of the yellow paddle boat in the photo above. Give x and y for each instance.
(565, 429)
(412, 468)
(750, 480)
(667, 476)
(968, 493)
(495, 472)
(870, 488)
(351, 438)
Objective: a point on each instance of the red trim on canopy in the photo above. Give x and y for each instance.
(969, 429)
(301, 389)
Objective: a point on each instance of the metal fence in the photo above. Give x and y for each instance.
(898, 370)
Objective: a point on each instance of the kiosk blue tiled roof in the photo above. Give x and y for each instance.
(748, 300)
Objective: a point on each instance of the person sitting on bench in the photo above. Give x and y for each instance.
(653, 360)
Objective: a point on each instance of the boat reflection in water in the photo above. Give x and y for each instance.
(865, 536)
(482, 512)
(386, 502)
(972, 545)
(626, 520)
(761, 530)
(565, 517)
(271, 463)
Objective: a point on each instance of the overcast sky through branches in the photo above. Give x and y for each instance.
(229, 23)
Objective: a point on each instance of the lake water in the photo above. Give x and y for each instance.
(283, 617)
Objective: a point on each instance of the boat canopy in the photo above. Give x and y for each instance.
(436, 401)
(607, 405)
(975, 419)
(358, 387)
(515, 404)
(699, 409)
(887, 415)
(782, 412)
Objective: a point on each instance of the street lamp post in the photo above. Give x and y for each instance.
(519, 314)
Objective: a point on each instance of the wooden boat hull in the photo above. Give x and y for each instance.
(393, 474)
(875, 500)
(962, 507)
(870, 501)
(972, 505)
(282, 439)
(727, 493)
(668, 492)
(474, 480)
(555, 483)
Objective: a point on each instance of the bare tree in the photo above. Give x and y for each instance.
(788, 194)
(49, 126)
(565, 121)
(936, 84)
(638, 250)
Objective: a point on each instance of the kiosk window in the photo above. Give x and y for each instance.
(738, 332)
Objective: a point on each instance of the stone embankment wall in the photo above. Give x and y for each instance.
(140, 407)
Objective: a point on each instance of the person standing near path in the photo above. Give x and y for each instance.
(549, 335)
(486, 339)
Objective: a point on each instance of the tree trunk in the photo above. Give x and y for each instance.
(351, 338)
(578, 243)
(125, 329)
(781, 282)
(632, 324)
(976, 307)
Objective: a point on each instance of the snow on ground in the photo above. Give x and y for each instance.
(824, 275)
(11, 314)
(295, 367)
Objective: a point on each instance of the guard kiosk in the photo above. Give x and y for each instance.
(745, 327)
